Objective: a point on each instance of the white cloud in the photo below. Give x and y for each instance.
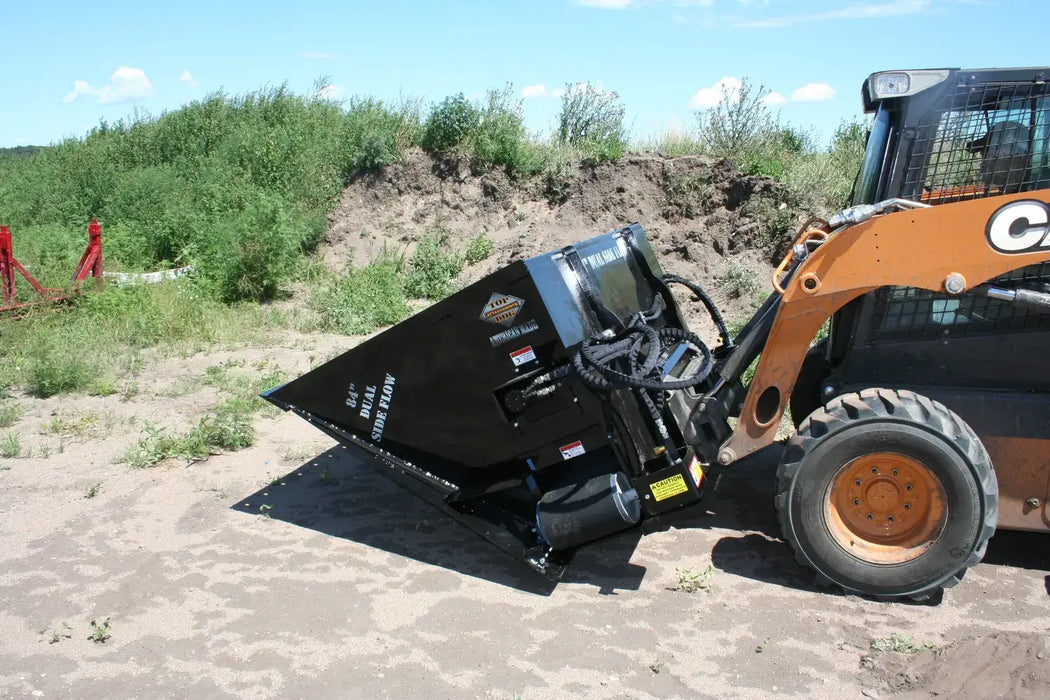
(537, 90)
(187, 77)
(774, 99)
(813, 92)
(728, 88)
(320, 55)
(606, 4)
(125, 85)
(21, 142)
(855, 10)
(331, 91)
(80, 87)
(540, 90)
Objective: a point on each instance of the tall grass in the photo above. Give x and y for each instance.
(90, 346)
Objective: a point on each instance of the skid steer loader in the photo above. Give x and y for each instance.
(562, 398)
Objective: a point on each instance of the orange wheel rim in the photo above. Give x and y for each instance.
(886, 508)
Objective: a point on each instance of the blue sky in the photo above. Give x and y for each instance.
(66, 65)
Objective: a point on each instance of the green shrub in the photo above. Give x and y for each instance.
(361, 299)
(591, 120)
(376, 135)
(739, 124)
(56, 368)
(478, 248)
(9, 414)
(433, 270)
(450, 124)
(10, 446)
(501, 138)
(227, 428)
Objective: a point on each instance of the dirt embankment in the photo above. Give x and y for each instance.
(703, 218)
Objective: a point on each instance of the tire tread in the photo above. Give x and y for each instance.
(897, 405)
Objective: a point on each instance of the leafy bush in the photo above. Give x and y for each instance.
(501, 138)
(741, 129)
(451, 123)
(376, 135)
(433, 270)
(478, 248)
(591, 119)
(361, 299)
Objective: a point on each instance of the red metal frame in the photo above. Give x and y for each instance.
(90, 265)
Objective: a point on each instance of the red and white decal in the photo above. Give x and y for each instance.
(696, 472)
(573, 449)
(523, 355)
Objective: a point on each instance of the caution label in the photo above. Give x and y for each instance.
(520, 357)
(502, 309)
(573, 449)
(671, 486)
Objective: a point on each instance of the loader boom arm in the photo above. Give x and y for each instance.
(950, 248)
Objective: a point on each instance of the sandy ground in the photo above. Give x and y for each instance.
(291, 569)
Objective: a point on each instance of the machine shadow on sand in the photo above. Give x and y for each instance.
(338, 494)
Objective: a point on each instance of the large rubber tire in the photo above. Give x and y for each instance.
(925, 439)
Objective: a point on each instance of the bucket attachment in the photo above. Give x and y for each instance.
(534, 405)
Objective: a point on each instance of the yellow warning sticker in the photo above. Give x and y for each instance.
(671, 486)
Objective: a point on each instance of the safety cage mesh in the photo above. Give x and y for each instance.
(980, 141)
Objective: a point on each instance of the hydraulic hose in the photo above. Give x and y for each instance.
(712, 310)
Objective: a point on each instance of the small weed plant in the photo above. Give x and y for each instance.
(737, 280)
(900, 644)
(10, 446)
(100, 632)
(690, 581)
(478, 248)
(9, 414)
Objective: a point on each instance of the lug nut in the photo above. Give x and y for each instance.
(870, 516)
(890, 518)
(857, 482)
(856, 501)
(907, 506)
(874, 470)
(908, 487)
(896, 472)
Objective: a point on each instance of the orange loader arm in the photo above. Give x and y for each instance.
(949, 248)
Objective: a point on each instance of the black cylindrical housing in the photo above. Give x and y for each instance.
(572, 515)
